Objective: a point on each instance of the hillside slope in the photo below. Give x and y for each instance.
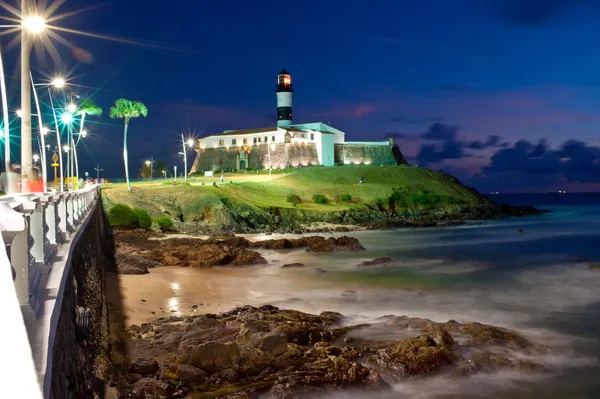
(387, 191)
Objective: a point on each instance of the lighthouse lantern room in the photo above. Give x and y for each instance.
(285, 91)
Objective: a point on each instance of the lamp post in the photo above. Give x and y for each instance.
(6, 130)
(97, 168)
(43, 132)
(31, 25)
(175, 173)
(150, 163)
(164, 174)
(190, 143)
(58, 83)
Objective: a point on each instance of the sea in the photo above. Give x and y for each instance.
(528, 274)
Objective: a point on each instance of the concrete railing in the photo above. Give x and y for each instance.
(35, 230)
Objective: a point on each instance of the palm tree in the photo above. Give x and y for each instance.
(126, 110)
(87, 107)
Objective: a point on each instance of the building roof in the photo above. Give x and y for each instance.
(284, 72)
(247, 131)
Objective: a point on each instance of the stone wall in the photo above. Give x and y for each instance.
(294, 155)
(368, 154)
(75, 358)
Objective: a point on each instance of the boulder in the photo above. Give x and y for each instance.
(149, 388)
(144, 365)
(247, 257)
(594, 266)
(272, 342)
(212, 357)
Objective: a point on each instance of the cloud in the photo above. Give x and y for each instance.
(532, 12)
(441, 132)
(573, 162)
(492, 141)
(448, 146)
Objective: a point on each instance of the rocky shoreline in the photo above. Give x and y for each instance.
(267, 352)
(136, 253)
(288, 221)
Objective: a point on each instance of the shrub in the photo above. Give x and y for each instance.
(319, 199)
(294, 199)
(164, 223)
(185, 183)
(345, 198)
(143, 219)
(122, 215)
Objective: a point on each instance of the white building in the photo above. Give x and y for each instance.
(327, 140)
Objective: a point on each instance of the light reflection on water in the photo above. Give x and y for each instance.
(489, 273)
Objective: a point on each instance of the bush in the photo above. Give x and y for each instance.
(319, 199)
(122, 215)
(164, 223)
(143, 219)
(345, 198)
(294, 199)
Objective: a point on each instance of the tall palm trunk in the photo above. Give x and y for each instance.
(81, 127)
(125, 156)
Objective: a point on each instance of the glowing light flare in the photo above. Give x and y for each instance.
(36, 157)
(148, 163)
(19, 113)
(84, 133)
(44, 130)
(59, 83)
(190, 142)
(34, 24)
(66, 118)
(72, 107)
(65, 148)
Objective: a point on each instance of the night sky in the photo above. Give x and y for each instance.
(504, 94)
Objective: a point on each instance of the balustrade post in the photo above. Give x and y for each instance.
(50, 228)
(70, 220)
(14, 235)
(61, 218)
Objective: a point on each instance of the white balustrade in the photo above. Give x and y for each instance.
(34, 227)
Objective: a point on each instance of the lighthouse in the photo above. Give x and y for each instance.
(285, 91)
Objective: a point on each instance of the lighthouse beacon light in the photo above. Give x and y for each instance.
(285, 92)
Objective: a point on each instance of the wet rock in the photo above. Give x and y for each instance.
(147, 388)
(594, 266)
(212, 357)
(144, 366)
(381, 261)
(275, 343)
(247, 257)
(271, 352)
(293, 265)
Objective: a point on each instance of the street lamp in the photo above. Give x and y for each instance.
(72, 107)
(58, 83)
(150, 163)
(190, 143)
(83, 133)
(31, 25)
(165, 174)
(19, 113)
(36, 157)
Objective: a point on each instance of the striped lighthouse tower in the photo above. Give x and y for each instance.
(285, 91)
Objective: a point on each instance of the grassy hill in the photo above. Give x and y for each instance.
(256, 194)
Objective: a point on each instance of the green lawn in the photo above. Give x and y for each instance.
(258, 190)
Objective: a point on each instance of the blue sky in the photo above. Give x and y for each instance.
(486, 74)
